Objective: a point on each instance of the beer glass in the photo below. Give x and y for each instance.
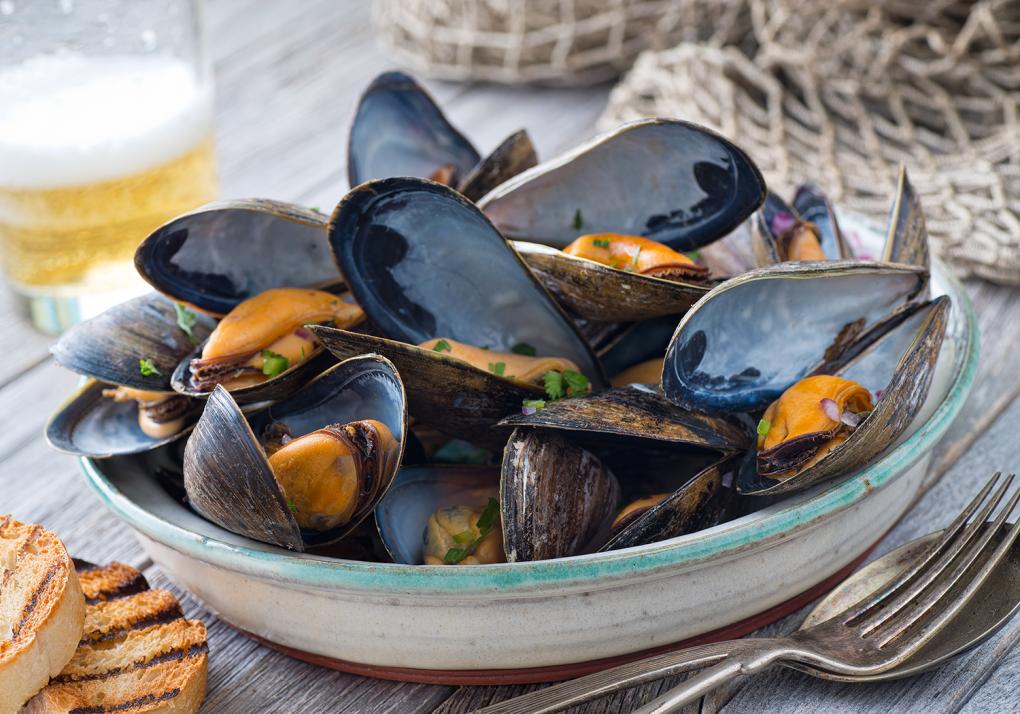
(106, 132)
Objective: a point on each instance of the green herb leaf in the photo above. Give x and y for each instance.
(455, 555)
(273, 363)
(577, 383)
(600, 242)
(497, 368)
(763, 427)
(553, 382)
(291, 506)
(464, 537)
(147, 368)
(186, 320)
(523, 348)
(534, 403)
(694, 255)
(316, 209)
(637, 254)
(442, 346)
(578, 220)
(488, 517)
(302, 354)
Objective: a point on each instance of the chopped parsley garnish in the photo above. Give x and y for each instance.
(186, 320)
(694, 255)
(497, 368)
(600, 242)
(316, 209)
(578, 220)
(523, 348)
(442, 346)
(484, 525)
(302, 354)
(273, 363)
(147, 368)
(637, 254)
(763, 427)
(291, 506)
(567, 383)
(533, 403)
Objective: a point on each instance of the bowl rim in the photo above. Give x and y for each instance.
(591, 571)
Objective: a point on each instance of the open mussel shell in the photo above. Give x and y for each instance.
(451, 395)
(815, 207)
(109, 346)
(514, 155)
(557, 499)
(226, 472)
(755, 335)
(664, 179)
(424, 262)
(599, 292)
(907, 238)
(225, 252)
(89, 424)
(699, 503)
(272, 389)
(399, 130)
(899, 366)
(417, 493)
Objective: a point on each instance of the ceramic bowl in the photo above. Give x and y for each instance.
(546, 620)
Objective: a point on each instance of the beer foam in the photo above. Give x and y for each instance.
(69, 119)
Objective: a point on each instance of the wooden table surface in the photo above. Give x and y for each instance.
(288, 75)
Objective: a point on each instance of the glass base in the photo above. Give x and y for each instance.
(53, 309)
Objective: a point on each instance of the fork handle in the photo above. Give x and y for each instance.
(705, 681)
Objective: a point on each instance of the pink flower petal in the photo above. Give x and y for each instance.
(831, 409)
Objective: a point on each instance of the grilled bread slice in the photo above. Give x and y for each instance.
(137, 654)
(41, 610)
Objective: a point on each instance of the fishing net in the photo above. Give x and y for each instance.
(840, 92)
(565, 42)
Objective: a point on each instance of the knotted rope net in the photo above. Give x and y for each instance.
(840, 92)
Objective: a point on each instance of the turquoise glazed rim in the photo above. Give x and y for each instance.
(777, 522)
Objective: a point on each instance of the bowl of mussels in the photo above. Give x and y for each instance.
(502, 420)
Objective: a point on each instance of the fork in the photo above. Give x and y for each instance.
(876, 634)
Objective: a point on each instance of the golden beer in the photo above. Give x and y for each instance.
(95, 153)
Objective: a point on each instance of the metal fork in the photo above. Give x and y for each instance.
(878, 633)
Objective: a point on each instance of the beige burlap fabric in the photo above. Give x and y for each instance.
(573, 42)
(841, 91)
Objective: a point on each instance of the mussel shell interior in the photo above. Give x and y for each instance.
(639, 342)
(424, 262)
(669, 180)
(398, 130)
(225, 252)
(417, 493)
(752, 337)
(900, 364)
(109, 346)
(89, 424)
(274, 388)
(599, 292)
(458, 399)
(815, 208)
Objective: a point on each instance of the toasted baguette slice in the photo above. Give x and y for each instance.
(41, 610)
(137, 652)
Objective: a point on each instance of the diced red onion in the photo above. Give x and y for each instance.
(831, 409)
(303, 333)
(782, 222)
(528, 411)
(850, 419)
